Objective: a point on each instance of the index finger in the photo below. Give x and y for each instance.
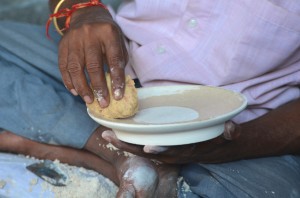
(63, 63)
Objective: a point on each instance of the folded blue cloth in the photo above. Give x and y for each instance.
(34, 102)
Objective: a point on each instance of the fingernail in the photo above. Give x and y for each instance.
(107, 135)
(229, 128)
(102, 102)
(118, 94)
(87, 99)
(227, 135)
(155, 149)
(74, 92)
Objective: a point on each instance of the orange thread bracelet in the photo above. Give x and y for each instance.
(68, 13)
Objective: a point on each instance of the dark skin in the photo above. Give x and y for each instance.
(276, 133)
(159, 180)
(92, 40)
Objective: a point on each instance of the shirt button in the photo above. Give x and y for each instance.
(161, 49)
(192, 23)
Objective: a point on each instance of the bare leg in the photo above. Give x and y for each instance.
(139, 177)
(136, 176)
(10, 142)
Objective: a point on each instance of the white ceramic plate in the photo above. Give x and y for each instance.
(176, 115)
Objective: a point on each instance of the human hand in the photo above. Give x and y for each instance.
(212, 151)
(92, 40)
(140, 177)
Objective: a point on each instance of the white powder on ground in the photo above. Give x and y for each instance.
(82, 183)
(184, 187)
(2, 184)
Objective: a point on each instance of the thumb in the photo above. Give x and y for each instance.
(155, 149)
(231, 131)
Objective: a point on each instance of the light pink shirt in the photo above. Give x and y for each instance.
(249, 46)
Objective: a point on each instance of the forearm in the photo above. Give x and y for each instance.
(275, 133)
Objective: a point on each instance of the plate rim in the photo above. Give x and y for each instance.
(186, 125)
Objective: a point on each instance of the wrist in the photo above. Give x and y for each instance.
(90, 15)
(64, 9)
(65, 4)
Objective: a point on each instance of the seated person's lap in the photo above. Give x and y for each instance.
(267, 177)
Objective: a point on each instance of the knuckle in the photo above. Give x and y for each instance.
(116, 72)
(117, 83)
(62, 68)
(115, 61)
(62, 64)
(100, 92)
(116, 79)
(99, 85)
(115, 46)
(110, 28)
(100, 89)
(93, 67)
(92, 50)
(86, 27)
(74, 67)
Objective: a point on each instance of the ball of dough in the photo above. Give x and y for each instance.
(126, 107)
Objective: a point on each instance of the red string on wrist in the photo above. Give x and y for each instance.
(68, 13)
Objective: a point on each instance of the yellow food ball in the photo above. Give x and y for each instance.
(126, 107)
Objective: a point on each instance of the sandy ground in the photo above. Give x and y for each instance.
(16, 181)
